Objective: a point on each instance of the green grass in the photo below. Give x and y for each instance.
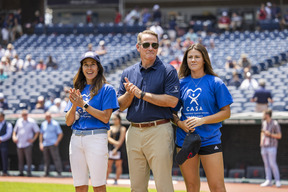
(45, 187)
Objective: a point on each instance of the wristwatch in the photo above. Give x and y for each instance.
(85, 106)
(142, 94)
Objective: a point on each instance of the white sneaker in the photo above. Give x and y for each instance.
(278, 184)
(266, 183)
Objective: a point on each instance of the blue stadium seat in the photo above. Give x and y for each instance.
(39, 29)
(279, 106)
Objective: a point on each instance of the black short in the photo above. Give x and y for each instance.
(210, 149)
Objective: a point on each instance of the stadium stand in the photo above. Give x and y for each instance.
(265, 50)
(101, 28)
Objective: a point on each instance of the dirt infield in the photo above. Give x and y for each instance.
(178, 185)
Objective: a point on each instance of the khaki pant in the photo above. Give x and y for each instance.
(261, 107)
(150, 148)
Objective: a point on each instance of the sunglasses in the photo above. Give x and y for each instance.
(146, 45)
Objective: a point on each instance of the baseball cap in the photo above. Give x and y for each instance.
(40, 98)
(190, 148)
(102, 42)
(156, 7)
(57, 100)
(91, 55)
(262, 82)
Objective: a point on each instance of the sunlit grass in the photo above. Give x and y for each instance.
(47, 187)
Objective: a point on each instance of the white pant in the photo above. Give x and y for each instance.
(89, 154)
(269, 155)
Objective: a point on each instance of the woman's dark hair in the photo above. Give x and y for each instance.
(184, 70)
(79, 80)
(118, 116)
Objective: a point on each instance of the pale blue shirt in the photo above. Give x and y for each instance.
(50, 132)
(25, 130)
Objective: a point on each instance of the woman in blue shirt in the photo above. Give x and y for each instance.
(91, 104)
(205, 102)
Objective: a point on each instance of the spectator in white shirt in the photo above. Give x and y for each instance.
(25, 133)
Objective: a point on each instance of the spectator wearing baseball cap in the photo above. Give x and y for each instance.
(29, 63)
(268, 10)
(10, 51)
(101, 49)
(56, 108)
(91, 103)
(262, 97)
(40, 103)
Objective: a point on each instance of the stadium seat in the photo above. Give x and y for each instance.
(37, 111)
(255, 172)
(39, 29)
(176, 171)
(236, 173)
(279, 106)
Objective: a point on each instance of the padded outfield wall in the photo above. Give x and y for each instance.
(240, 140)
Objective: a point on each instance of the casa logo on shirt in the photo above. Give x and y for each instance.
(86, 97)
(82, 112)
(193, 95)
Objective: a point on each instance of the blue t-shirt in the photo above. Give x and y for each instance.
(50, 132)
(210, 95)
(158, 79)
(105, 99)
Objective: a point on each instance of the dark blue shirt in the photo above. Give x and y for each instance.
(157, 79)
(262, 95)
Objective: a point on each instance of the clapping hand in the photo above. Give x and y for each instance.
(75, 97)
(132, 89)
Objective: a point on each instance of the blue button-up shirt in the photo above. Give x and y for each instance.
(157, 79)
(50, 132)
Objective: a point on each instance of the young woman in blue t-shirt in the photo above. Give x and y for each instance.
(91, 104)
(205, 102)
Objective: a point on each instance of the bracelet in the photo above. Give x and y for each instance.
(177, 122)
(142, 94)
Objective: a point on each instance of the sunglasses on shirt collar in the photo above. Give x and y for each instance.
(146, 45)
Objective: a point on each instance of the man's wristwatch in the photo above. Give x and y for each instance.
(142, 94)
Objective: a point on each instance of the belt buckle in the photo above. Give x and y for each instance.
(155, 123)
(79, 133)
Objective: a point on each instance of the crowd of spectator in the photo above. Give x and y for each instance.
(10, 62)
(11, 26)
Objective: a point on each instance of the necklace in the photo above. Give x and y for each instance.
(198, 81)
